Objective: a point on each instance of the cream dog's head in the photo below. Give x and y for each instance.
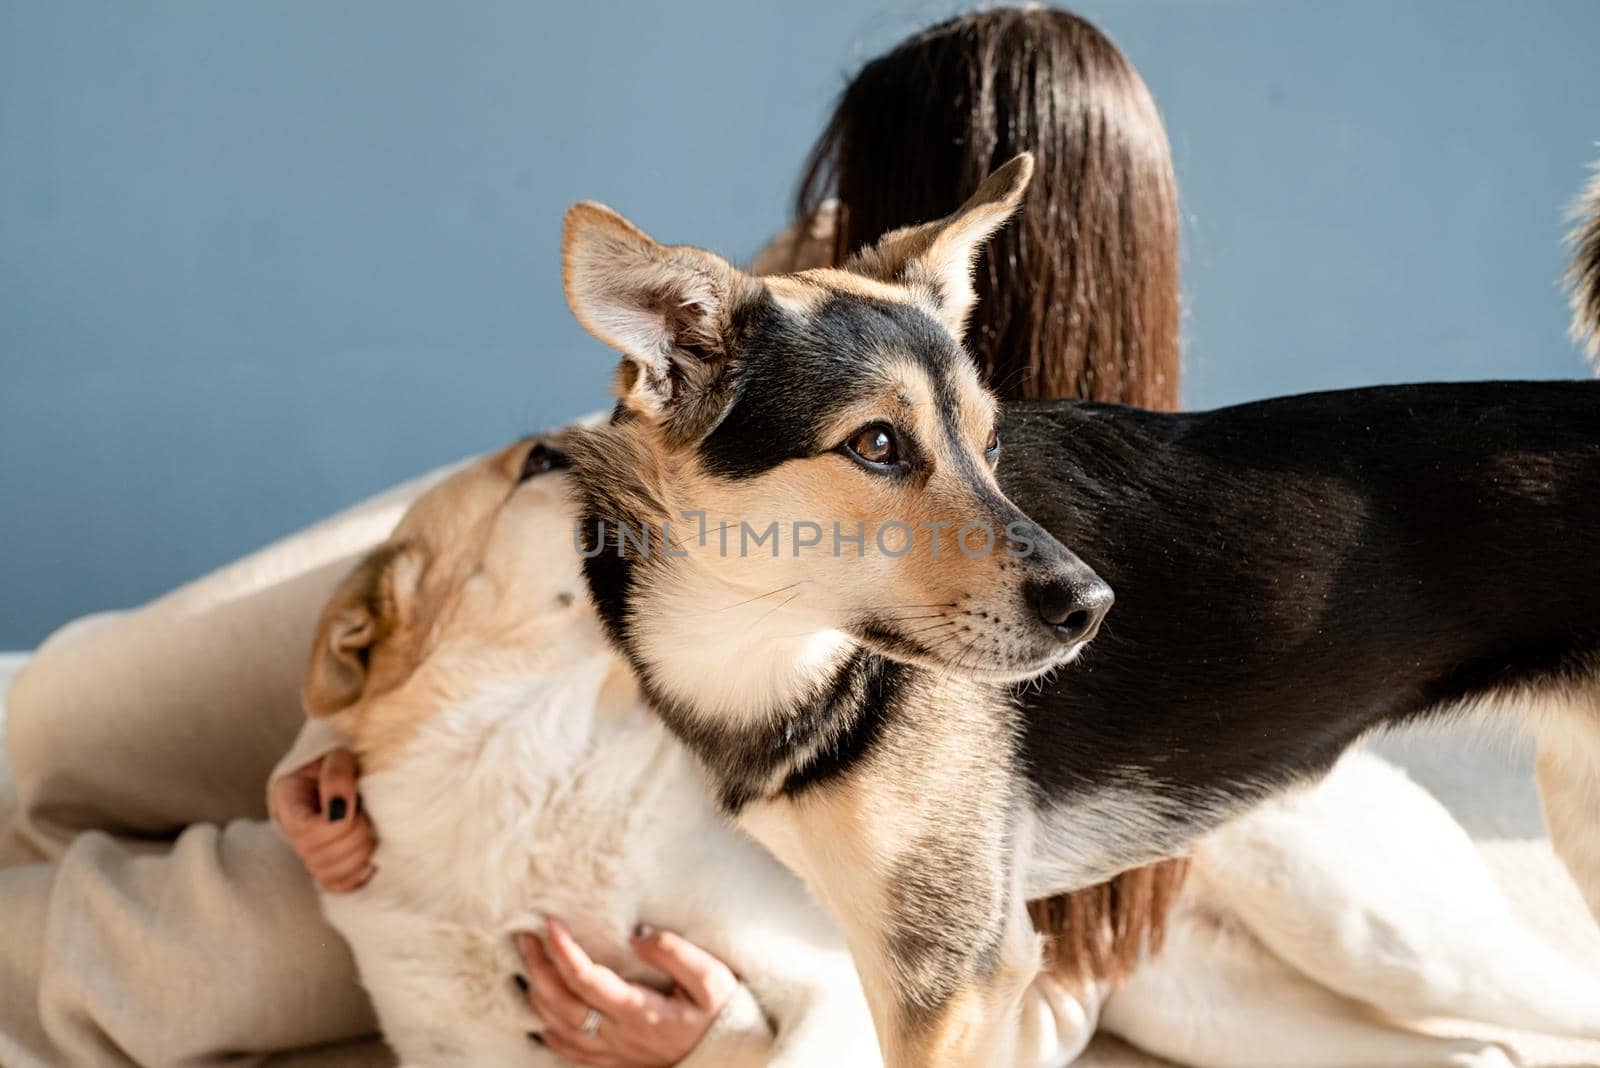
(478, 582)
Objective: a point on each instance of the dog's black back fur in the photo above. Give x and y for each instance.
(1293, 572)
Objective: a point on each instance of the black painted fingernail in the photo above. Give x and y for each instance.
(643, 930)
(521, 981)
(337, 809)
(536, 1038)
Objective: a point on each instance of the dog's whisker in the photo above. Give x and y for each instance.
(944, 641)
(930, 627)
(961, 657)
(782, 604)
(898, 607)
(758, 597)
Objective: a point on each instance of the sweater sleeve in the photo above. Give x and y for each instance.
(740, 1037)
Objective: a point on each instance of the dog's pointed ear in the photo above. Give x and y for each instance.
(667, 309)
(936, 259)
(373, 606)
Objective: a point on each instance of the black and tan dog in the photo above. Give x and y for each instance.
(835, 584)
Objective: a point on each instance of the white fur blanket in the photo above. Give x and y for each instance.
(1486, 780)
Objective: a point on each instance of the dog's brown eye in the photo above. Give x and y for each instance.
(875, 445)
(991, 448)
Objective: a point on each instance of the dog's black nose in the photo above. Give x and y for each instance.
(1072, 608)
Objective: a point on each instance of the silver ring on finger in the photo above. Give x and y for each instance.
(591, 1024)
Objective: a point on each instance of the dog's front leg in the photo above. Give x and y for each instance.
(928, 896)
(975, 1020)
(1568, 769)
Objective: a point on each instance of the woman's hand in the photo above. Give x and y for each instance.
(637, 1027)
(319, 811)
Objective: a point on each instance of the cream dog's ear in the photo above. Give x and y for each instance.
(667, 308)
(936, 259)
(374, 607)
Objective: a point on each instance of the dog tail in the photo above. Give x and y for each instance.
(1583, 276)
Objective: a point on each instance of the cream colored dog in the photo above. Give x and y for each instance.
(514, 774)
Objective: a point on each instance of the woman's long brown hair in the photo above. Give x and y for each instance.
(1078, 295)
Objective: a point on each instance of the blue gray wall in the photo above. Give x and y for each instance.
(260, 259)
